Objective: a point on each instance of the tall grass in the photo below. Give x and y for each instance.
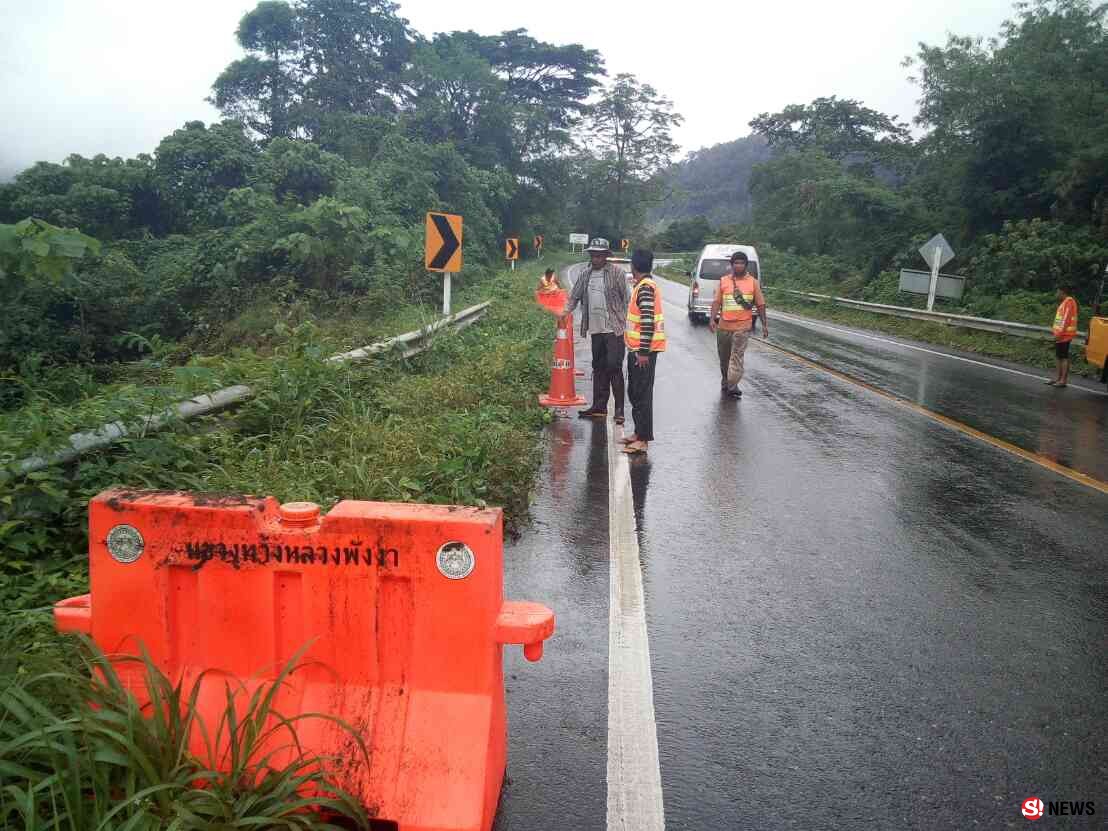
(79, 752)
(459, 424)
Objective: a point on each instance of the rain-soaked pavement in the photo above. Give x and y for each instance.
(858, 618)
(1068, 426)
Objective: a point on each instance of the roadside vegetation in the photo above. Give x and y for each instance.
(248, 251)
(675, 270)
(838, 197)
(78, 753)
(458, 424)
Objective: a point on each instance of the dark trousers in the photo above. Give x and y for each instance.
(607, 371)
(640, 390)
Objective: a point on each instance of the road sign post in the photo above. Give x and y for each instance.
(936, 255)
(538, 245)
(936, 252)
(442, 249)
(511, 250)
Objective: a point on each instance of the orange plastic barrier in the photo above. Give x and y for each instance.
(562, 392)
(402, 605)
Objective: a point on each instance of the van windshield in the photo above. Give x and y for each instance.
(714, 269)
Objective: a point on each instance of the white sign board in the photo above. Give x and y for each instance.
(578, 239)
(919, 282)
(937, 244)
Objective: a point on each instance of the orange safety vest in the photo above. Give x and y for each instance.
(632, 334)
(1065, 321)
(732, 309)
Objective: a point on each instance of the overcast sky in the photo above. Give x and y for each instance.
(115, 76)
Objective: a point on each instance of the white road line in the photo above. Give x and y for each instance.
(634, 775)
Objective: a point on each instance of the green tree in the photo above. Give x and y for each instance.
(713, 182)
(685, 234)
(196, 166)
(809, 202)
(354, 55)
(1016, 124)
(107, 198)
(297, 170)
(839, 128)
(632, 141)
(454, 95)
(546, 85)
(263, 90)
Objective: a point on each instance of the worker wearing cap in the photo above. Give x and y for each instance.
(602, 292)
(731, 319)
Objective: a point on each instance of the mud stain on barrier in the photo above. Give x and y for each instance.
(121, 501)
(221, 500)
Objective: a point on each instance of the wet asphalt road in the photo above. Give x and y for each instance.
(1068, 426)
(557, 708)
(858, 618)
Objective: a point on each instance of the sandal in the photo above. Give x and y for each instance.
(592, 414)
(632, 449)
(619, 418)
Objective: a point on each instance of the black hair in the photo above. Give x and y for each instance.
(739, 255)
(550, 271)
(642, 260)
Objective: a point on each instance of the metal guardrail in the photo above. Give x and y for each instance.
(984, 324)
(408, 344)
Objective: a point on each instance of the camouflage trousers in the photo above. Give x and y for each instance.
(732, 351)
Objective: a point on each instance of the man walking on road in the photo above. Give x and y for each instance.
(645, 337)
(732, 312)
(1065, 330)
(601, 291)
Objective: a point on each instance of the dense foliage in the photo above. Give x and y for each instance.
(1009, 162)
(342, 127)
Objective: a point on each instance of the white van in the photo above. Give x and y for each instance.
(715, 262)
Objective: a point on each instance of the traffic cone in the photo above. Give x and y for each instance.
(562, 392)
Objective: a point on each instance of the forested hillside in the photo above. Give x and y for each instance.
(713, 183)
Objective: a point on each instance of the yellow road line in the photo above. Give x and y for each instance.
(965, 429)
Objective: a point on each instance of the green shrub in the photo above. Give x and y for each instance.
(78, 751)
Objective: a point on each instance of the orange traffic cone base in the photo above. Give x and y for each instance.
(572, 401)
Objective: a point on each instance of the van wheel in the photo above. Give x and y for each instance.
(693, 317)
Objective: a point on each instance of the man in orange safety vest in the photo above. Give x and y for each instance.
(732, 312)
(645, 337)
(1065, 330)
